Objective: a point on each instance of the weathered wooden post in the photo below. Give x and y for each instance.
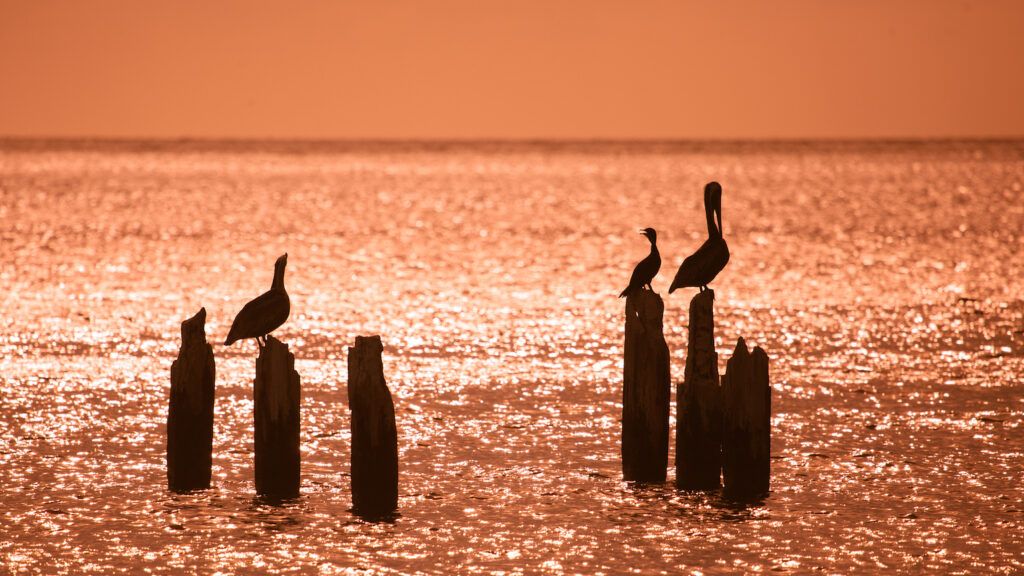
(190, 415)
(276, 395)
(699, 403)
(374, 434)
(646, 388)
(746, 437)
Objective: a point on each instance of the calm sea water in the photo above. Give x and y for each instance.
(886, 282)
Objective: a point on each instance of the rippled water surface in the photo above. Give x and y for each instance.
(886, 282)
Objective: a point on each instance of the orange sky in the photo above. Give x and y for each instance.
(512, 69)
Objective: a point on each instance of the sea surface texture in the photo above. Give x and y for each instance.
(885, 281)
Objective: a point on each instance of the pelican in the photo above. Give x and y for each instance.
(647, 268)
(264, 314)
(701, 267)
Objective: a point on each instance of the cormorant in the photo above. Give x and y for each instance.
(701, 267)
(264, 314)
(647, 268)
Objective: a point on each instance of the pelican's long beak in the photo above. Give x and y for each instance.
(718, 215)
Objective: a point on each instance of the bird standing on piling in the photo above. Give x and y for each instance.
(264, 314)
(701, 267)
(647, 268)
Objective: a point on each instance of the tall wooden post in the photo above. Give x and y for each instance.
(699, 403)
(374, 433)
(746, 442)
(646, 388)
(276, 395)
(190, 414)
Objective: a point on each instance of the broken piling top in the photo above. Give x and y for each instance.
(374, 432)
(276, 397)
(746, 446)
(190, 410)
(701, 343)
(277, 382)
(365, 367)
(745, 388)
(193, 371)
(194, 329)
(647, 309)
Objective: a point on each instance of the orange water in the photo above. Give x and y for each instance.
(886, 282)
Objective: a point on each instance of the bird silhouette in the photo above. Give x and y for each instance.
(264, 314)
(701, 267)
(647, 268)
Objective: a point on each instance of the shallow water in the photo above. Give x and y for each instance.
(886, 282)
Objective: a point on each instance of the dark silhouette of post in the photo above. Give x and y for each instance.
(190, 414)
(746, 435)
(699, 403)
(646, 387)
(374, 433)
(276, 397)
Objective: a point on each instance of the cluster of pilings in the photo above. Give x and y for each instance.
(276, 399)
(723, 427)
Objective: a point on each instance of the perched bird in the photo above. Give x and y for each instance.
(701, 267)
(264, 314)
(647, 268)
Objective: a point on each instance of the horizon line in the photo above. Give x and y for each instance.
(385, 141)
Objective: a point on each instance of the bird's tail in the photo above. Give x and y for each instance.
(625, 292)
(678, 282)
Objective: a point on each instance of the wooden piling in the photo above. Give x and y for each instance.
(374, 433)
(276, 395)
(747, 406)
(190, 414)
(646, 388)
(699, 403)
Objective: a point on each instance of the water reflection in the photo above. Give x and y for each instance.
(276, 514)
(896, 355)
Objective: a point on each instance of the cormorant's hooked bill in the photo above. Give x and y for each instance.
(646, 269)
(701, 267)
(264, 314)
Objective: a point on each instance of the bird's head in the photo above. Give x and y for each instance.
(651, 234)
(713, 194)
(713, 201)
(279, 272)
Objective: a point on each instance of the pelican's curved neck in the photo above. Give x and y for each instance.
(278, 278)
(709, 213)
